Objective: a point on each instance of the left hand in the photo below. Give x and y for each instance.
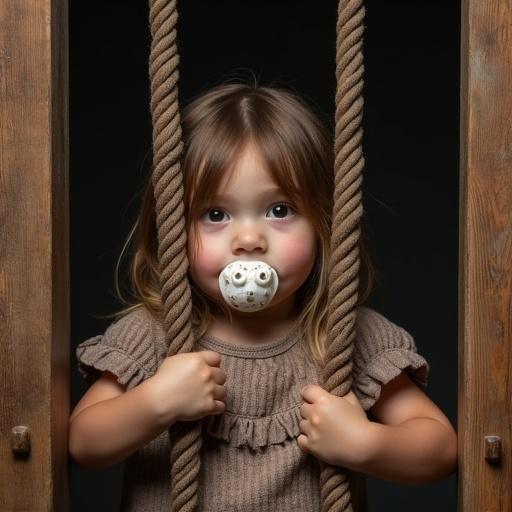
(334, 429)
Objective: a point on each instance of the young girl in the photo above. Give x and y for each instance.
(258, 179)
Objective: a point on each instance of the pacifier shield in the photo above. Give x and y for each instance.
(248, 285)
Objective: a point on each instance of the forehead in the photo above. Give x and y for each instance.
(250, 174)
(247, 174)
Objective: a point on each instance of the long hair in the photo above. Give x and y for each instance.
(296, 148)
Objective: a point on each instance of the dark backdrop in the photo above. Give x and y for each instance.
(411, 145)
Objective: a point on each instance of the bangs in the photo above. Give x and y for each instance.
(289, 142)
(219, 162)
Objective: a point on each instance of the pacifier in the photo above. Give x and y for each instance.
(248, 285)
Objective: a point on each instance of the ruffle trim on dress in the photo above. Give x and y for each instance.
(93, 355)
(255, 432)
(385, 367)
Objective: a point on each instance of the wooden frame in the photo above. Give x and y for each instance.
(34, 262)
(485, 257)
(34, 255)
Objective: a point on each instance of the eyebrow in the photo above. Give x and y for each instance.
(265, 193)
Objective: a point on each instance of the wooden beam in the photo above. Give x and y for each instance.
(34, 255)
(485, 261)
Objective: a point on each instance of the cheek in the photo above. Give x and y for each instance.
(206, 262)
(298, 254)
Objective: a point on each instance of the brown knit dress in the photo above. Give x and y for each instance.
(250, 458)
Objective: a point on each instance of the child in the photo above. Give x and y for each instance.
(258, 180)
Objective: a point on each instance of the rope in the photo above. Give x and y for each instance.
(185, 437)
(347, 210)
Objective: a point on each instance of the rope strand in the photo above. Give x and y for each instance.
(185, 437)
(347, 209)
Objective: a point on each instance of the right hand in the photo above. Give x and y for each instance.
(189, 386)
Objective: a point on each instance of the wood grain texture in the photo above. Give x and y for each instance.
(34, 255)
(485, 261)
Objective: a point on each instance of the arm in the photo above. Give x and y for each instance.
(110, 423)
(420, 450)
(416, 443)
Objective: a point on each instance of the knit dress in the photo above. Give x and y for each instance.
(250, 459)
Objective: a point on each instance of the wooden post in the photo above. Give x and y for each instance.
(34, 255)
(485, 261)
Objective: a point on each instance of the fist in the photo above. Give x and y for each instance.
(334, 429)
(189, 386)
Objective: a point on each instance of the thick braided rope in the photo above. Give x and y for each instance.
(185, 437)
(347, 210)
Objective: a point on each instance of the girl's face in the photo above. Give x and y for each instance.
(252, 219)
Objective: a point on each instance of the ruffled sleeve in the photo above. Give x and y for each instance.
(126, 349)
(382, 350)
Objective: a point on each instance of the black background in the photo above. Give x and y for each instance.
(410, 188)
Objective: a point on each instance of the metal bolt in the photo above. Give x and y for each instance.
(20, 439)
(493, 448)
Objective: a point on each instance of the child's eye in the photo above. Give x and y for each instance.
(281, 209)
(214, 215)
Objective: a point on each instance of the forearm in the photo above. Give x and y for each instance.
(421, 450)
(108, 432)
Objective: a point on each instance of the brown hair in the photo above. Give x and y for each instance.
(297, 150)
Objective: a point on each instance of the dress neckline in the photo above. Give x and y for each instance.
(269, 349)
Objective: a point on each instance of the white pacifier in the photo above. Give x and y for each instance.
(248, 285)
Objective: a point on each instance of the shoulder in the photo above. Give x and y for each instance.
(369, 321)
(127, 349)
(136, 324)
(375, 333)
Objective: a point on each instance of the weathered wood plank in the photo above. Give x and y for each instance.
(34, 255)
(485, 261)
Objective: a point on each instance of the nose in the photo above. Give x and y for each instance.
(248, 237)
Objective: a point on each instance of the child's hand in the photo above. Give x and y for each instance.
(334, 429)
(189, 386)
